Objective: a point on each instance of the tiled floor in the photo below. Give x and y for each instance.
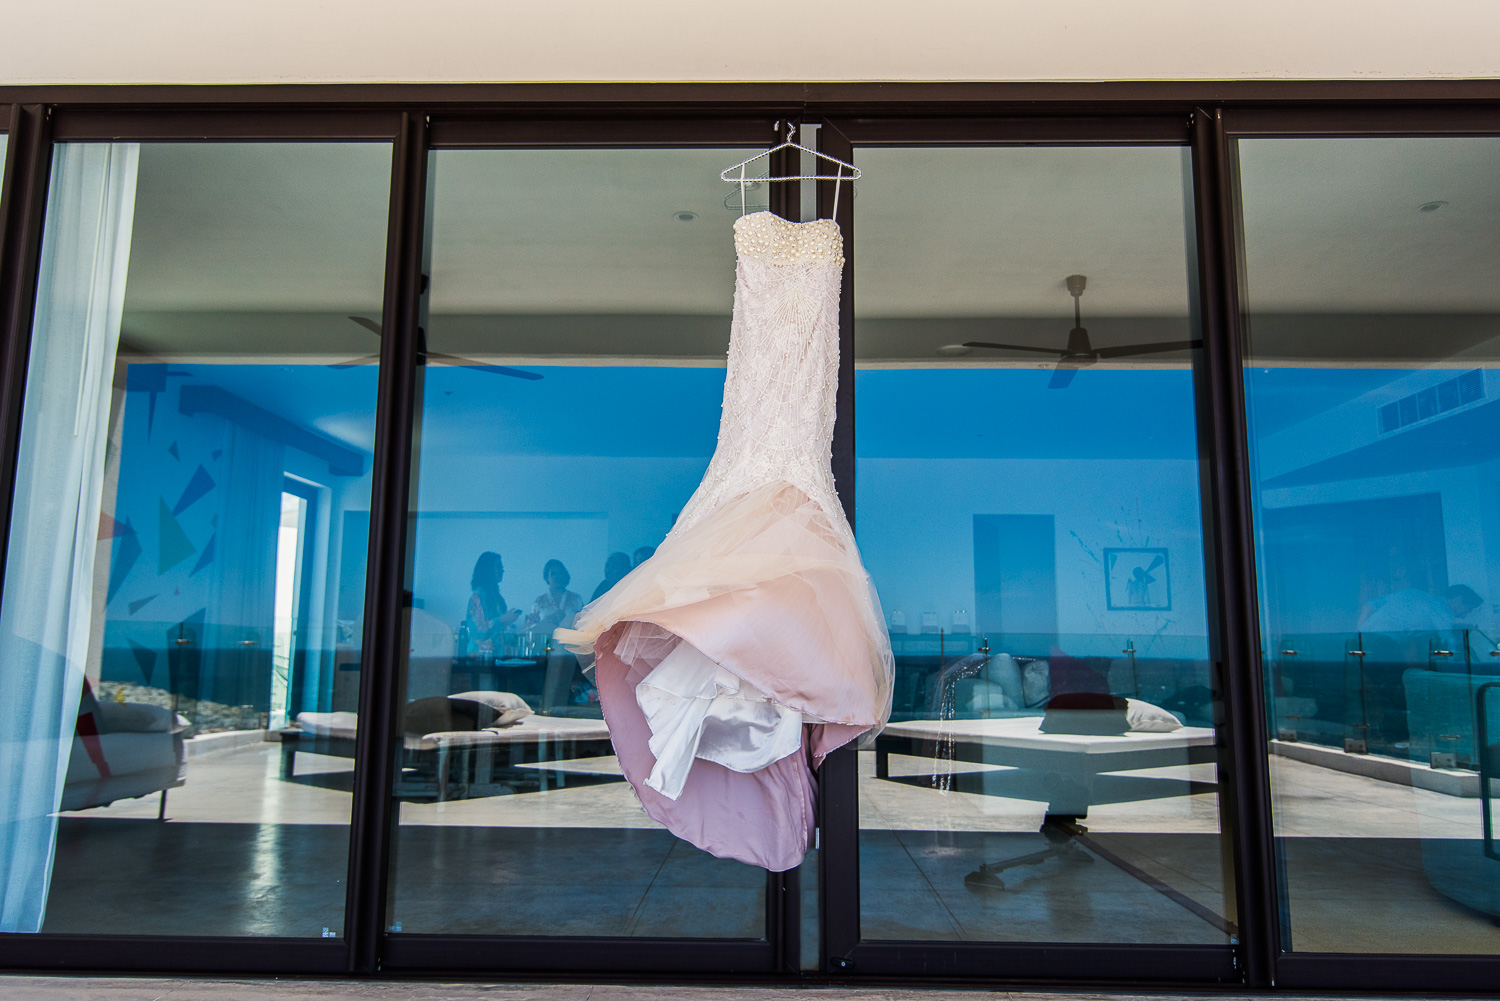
(245, 853)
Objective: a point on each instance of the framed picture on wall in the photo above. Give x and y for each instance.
(1136, 580)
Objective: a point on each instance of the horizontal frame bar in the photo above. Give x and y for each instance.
(836, 97)
(473, 130)
(1085, 129)
(1386, 973)
(165, 954)
(1007, 961)
(225, 123)
(408, 953)
(1356, 120)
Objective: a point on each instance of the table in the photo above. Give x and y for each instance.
(1075, 759)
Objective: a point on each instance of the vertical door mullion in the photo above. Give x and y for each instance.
(784, 889)
(1244, 780)
(838, 780)
(23, 204)
(383, 640)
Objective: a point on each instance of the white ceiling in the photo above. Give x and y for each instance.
(1331, 225)
(1334, 225)
(582, 231)
(259, 226)
(993, 232)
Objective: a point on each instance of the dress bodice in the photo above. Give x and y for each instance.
(782, 373)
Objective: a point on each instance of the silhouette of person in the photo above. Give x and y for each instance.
(615, 568)
(488, 617)
(555, 606)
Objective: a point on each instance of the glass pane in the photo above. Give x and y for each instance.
(1373, 281)
(186, 565)
(580, 301)
(1030, 514)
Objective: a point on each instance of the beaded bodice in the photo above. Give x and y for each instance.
(782, 375)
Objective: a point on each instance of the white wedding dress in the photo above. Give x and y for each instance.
(751, 644)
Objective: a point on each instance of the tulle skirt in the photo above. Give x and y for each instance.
(768, 587)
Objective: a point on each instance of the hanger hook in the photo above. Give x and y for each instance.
(791, 130)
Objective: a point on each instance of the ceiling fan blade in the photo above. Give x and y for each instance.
(352, 362)
(438, 358)
(1061, 376)
(1015, 347)
(1126, 350)
(369, 324)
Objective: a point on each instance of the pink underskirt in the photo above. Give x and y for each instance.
(770, 591)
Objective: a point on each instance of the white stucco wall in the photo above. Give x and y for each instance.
(274, 41)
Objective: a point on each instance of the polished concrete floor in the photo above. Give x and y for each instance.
(246, 853)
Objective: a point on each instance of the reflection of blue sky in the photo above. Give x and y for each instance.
(340, 402)
(1322, 425)
(1349, 511)
(572, 410)
(1110, 461)
(1112, 457)
(1281, 397)
(1010, 412)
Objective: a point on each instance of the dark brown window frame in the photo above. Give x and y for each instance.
(1206, 116)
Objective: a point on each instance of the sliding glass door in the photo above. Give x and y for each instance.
(1028, 504)
(1372, 292)
(576, 324)
(170, 621)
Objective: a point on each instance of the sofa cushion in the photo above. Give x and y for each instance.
(1036, 684)
(986, 699)
(1002, 672)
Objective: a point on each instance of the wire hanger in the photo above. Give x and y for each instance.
(728, 174)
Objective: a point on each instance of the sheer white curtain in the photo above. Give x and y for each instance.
(242, 600)
(47, 604)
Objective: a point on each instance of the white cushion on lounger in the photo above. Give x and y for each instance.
(509, 707)
(1143, 717)
(328, 724)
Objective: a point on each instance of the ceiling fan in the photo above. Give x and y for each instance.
(1080, 352)
(436, 358)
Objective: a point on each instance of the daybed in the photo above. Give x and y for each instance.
(1055, 717)
(457, 753)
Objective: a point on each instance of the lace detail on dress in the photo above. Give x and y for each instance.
(782, 375)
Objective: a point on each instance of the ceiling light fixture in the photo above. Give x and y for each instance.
(1432, 206)
(954, 350)
(684, 216)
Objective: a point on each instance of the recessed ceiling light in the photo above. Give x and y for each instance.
(684, 216)
(954, 350)
(1432, 206)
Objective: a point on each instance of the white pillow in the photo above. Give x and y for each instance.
(1036, 684)
(509, 708)
(1143, 717)
(1002, 670)
(341, 724)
